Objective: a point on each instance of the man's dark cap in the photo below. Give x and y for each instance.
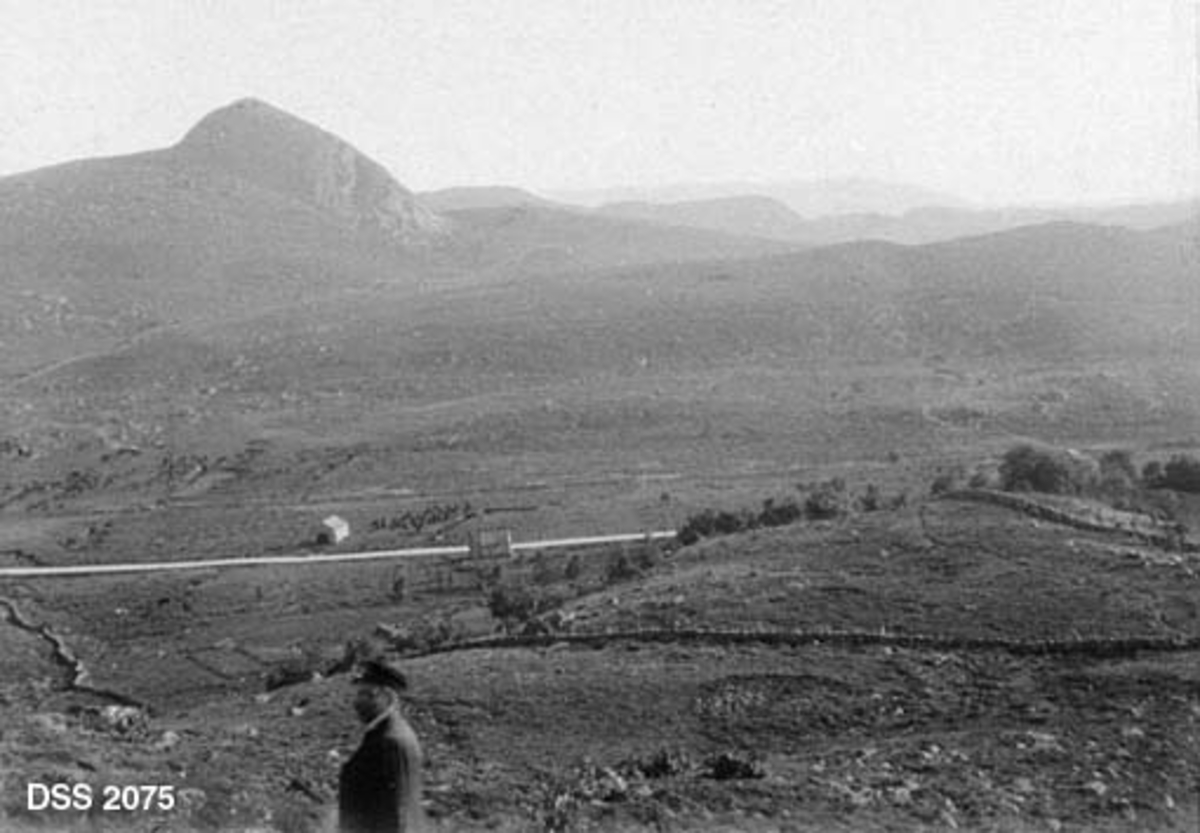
(374, 672)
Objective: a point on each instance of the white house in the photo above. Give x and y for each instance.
(334, 530)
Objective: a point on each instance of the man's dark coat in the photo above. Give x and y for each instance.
(380, 786)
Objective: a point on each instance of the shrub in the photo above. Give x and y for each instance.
(871, 499)
(542, 572)
(574, 568)
(780, 514)
(511, 603)
(726, 523)
(1118, 478)
(1118, 462)
(1152, 474)
(726, 766)
(947, 481)
(514, 605)
(646, 555)
(1181, 473)
(696, 527)
(621, 569)
(827, 501)
(1025, 468)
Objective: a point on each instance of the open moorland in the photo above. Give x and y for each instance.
(210, 348)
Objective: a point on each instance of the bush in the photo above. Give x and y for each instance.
(708, 522)
(827, 501)
(1118, 478)
(871, 500)
(542, 572)
(574, 568)
(701, 525)
(726, 766)
(1152, 474)
(621, 569)
(780, 514)
(512, 603)
(1025, 468)
(1118, 463)
(1181, 473)
(947, 481)
(515, 605)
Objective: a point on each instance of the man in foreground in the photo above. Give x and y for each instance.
(379, 790)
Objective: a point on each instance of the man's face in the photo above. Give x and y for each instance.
(369, 702)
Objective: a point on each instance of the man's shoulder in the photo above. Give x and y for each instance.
(398, 730)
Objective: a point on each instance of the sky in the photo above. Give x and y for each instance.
(996, 101)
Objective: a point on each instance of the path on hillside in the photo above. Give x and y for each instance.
(111, 350)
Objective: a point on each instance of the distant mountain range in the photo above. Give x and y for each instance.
(763, 216)
(816, 198)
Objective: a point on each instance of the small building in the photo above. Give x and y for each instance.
(491, 543)
(334, 530)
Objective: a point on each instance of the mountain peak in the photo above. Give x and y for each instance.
(269, 147)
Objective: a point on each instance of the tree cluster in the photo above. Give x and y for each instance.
(823, 501)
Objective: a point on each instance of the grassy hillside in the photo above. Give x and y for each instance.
(759, 216)
(1071, 333)
(532, 238)
(628, 734)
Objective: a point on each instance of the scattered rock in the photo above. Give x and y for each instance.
(244, 730)
(122, 719)
(167, 740)
(192, 798)
(728, 766)
(51, 722)
(1043, 742)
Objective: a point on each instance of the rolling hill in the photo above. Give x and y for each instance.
(535, 239)
(753, 215)
(853, 349)
(253, 210)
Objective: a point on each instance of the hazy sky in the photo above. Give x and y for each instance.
(995, 100)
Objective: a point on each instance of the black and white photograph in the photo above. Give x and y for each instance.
(541, 416)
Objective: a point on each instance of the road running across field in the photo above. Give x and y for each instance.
(75, 570)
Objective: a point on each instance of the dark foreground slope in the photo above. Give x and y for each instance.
(631, 734)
